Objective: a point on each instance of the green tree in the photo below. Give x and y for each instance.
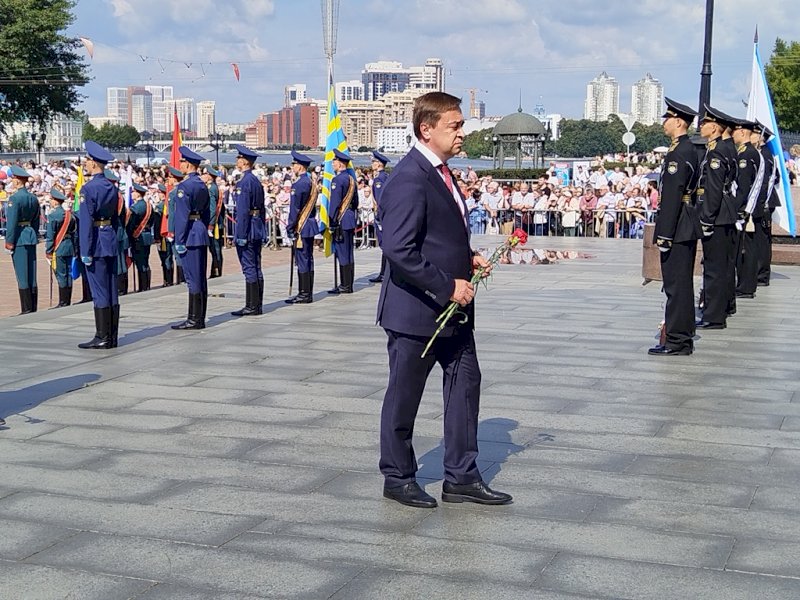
(475, 146)
(783, 79)
(19, 143)
(115, 137)
(648, 137)
(41, 70)
(90, 132)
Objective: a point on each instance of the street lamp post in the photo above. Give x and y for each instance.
(33, 145)
(40, 146)
(216, 140)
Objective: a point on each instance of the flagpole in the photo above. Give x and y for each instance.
(705, 73)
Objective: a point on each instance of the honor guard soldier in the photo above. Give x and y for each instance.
(302, 227)
(140, 232)
(99, 245)
(217, 225)
(22, 235)
(250, 230)
(342, 215)
(718, 212)
(175, 176)
(192, 216)
(163, 245)
(379, 162)
(750, 174)
(59, 245)
(677, 231)
(123, 241)
(770, 203)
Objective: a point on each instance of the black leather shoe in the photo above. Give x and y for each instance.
(477, 492)
(410, 494)
(707, 325)
(377, 279)
(763, 284)
(744, 295)
(664, 351)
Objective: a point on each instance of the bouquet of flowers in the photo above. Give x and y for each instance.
(517, 237)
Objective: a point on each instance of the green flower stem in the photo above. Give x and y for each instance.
(453, 307)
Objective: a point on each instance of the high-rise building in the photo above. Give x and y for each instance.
(117, 104)
(349, 90)
(647, 96)
(602, 98)
(399, 106)
(306, 125)
(162, 106)
(187, 115)
(206, 117)
(360, 122)
(140, 108)
(294, 94)
(382, 77)
(429, 78)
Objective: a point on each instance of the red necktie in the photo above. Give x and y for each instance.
(448, 177)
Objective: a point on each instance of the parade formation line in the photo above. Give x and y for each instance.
(240, 461)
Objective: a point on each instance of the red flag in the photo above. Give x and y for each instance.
(235, 70)
(174, 161)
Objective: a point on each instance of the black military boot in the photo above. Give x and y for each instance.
(34, 299)
(25, 301)
(167, 274)
(337, 289)
(259, 304)
(64, 296)
(87, 290)
(114, 326)
(102, 336)
(379, 277)
(251, 297)
(122, 283)
(180, 278)
(201, 304)
(348, 275)
(192, 320)
(305, 285)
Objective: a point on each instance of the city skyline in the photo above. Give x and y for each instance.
(561, 51)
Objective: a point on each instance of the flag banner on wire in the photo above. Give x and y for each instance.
(760, 108)
(335, 140)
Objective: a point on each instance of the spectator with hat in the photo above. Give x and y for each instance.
(22, 226)
(192, 216)
(302, 227)
(250, 232)
(59, 244)
(99, 247)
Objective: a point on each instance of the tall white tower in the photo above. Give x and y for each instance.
(602, 98)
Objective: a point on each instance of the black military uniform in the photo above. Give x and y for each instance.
(718, 213)
(772, 180)
(677, 231)
(728, 147)
(748, 188)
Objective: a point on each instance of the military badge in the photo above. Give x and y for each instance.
(180, 193)
(742, 164)
(82, 198)
(292, 192)
(238, 192)
(377, 185)
(714, 163)
(333, 186)
(672, 168)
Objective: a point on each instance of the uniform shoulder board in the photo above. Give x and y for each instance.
(672, 167)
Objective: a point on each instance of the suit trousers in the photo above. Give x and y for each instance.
(24, 260)
(344, 249)
(304, 257)
(717, 273)
(250, 260)
(194, 269)
(103, 281)
(677, 268)
(407, 376)
(747, 261)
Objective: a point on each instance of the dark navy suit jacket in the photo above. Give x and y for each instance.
(427, 246)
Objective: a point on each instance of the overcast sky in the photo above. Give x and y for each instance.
(545, 48)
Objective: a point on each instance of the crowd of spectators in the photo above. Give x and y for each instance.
(594, 202)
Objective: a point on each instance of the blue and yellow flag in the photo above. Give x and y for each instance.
(337, 140)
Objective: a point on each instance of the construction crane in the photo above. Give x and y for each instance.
(474, 111)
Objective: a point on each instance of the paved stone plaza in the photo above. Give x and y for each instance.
(241, 461)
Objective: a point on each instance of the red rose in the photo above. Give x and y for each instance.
(521, 236)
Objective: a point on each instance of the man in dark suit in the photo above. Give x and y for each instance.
(430, 263)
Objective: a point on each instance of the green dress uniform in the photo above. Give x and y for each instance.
(61, 256)
(216, 229)
(22, 226)
(163, 245)
(123, 245)
(140, 232)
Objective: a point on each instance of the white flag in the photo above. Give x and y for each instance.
(760, 109)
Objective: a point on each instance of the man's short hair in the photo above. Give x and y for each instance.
(430, 107)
